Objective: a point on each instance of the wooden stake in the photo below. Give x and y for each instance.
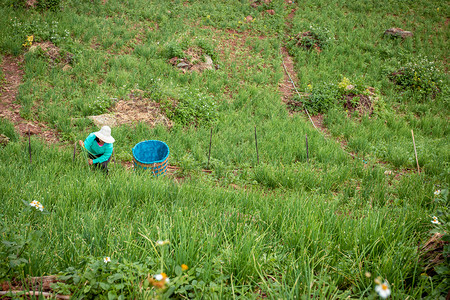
(256, 144)
(415, 151)
(307, 150)
(209, 154)
(74, 150)
(29, 143)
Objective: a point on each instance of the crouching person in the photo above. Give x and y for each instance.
(100, 148)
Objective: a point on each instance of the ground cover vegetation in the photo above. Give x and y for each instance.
(351, 218)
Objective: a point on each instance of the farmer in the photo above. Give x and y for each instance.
(99, 145)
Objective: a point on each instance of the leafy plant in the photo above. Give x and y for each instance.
(317, 37)
(103, 278)
(323, 96)
(441, 262)
(421, 76)
(52, 5)
(193, 108)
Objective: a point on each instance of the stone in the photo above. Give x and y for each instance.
(103, 120)
(4, 140)
(183, 65)
(209, 64)
(398, 32)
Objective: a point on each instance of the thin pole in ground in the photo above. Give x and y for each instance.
(256, 144)
(209, 154)
(74, 150)
(307, 150)
(29, 143)
(415, 151)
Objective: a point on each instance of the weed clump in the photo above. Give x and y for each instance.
(317, 38)
(192, 108)
(421, 77)
(350, 96)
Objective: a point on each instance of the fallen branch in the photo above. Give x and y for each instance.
(34, 293)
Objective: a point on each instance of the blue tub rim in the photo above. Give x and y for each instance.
(152, 162)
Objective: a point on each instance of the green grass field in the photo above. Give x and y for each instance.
(332, 225)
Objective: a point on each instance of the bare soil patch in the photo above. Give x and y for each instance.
(10, 109)
(286, 87)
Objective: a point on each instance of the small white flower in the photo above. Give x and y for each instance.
(383, 290)
(435, 220)
(107, 259)
(437, 192)
(159, 277)
(162, 243)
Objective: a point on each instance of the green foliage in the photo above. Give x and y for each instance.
(97, 278)
(194, 107)
(421, 76)
(12, 252)
(7, 128)
(174, 49)
(40, 29)
(442, 268)
(52, 5)
(317, 37)
(208, 47)
(99, 105)
(287, 228)
(323, 96)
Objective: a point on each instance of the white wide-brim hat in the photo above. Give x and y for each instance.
(105, 135)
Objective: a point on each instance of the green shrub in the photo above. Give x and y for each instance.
(52, 5)
(316, 37)
(421, 76)
(193, 108)
(173, 49)
(7, 128)
(323, 96)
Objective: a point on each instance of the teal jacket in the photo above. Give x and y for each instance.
(104, 152)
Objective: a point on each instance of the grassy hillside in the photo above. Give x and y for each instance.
(295, 225)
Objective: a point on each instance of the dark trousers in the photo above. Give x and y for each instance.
(103, 166)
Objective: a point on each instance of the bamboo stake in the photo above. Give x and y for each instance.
(209, 154)
(415, 151)
(307, 150)
(74, 150)
(256, 144)
(29, 143)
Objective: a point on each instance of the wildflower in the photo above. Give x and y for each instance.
(435, 220)
(184, 267)
(368, 274)
(208, 17)
(107, 259)
(159, 280)
(37, 205)
(30, 38)
(382, 288)
(162, 243)
(437, 192)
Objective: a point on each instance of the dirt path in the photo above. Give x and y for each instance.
(10, 109)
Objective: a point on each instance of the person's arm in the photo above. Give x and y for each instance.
(88, 141)
(105, 156)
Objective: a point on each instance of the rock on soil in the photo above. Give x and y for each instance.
(398, 32)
